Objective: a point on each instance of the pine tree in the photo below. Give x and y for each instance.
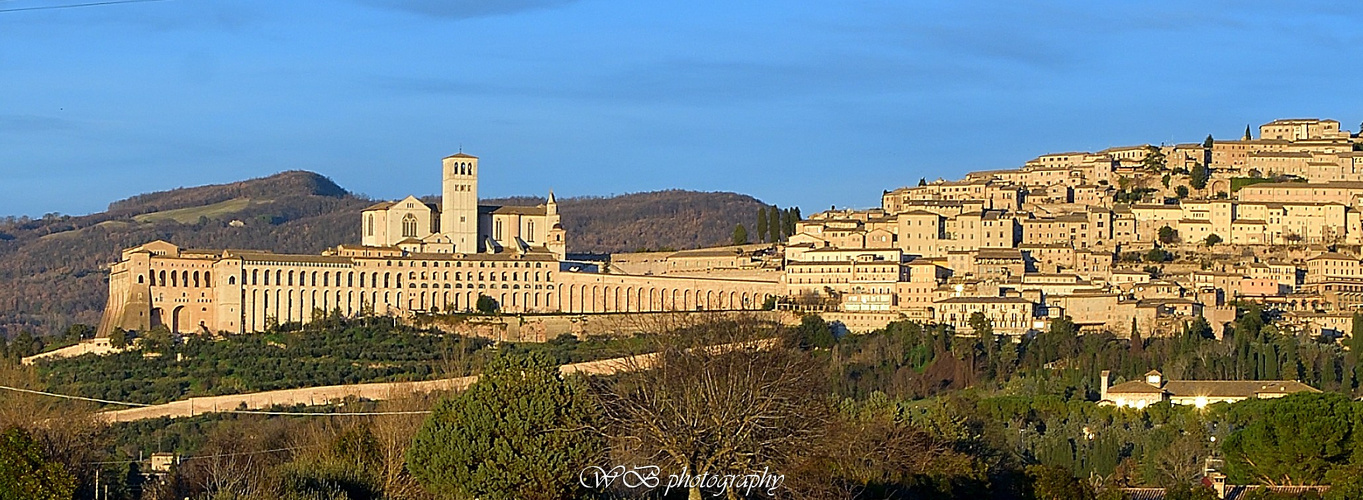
(1247, 136)
(522, 430)
(762, 224)
(922, 181)
(1209, 142)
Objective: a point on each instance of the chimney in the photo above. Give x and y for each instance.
(1102, 391)
(1218, 484)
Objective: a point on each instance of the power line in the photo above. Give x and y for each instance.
(77, 5)
(55, 395)
(242, 412)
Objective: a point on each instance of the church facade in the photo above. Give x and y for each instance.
(414, 257)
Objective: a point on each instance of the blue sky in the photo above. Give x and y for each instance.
(797, 103)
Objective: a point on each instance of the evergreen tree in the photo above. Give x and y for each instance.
(922, 181)
(774, 224)
(1208, 143)
(1247, 136)
(1199, 176)
(25, 473)
(740, 235)
(521, 431)
(762, 224)
(1137, 343)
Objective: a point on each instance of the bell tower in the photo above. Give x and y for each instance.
(459, 202)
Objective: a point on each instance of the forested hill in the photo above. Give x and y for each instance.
(660, 219)
(53, 270)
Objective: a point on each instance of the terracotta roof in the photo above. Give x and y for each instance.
(462, 154)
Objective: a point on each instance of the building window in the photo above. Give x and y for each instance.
(369, 221)
(409, 226)
(497, 230)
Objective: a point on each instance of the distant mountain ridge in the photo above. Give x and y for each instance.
(53, 269)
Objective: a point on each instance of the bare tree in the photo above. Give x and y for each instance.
(720, 397)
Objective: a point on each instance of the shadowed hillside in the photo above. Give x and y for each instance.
(53, 269)
(674, 218)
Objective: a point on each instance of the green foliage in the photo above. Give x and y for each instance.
(1212, 240)
(1300, 437)
(762, 224)
(521, 431)
(1154, 160)
(1158, 255)
(1208, 142)
(1167, 235)
(358, 351)
(740, 236)
(1199, 177)
(1181, 191)
(774, 221)
(25, 473)
(1051, 482)
(487, 305)
(814, 333)
(118, 338)
(1236, 183)
(981, 324)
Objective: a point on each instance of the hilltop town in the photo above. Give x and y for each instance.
(1130, 240)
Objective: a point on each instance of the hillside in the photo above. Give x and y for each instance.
(673, 218)
(52, 270)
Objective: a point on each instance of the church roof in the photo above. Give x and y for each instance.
(382, 205)
(462, 154)
(498, 209)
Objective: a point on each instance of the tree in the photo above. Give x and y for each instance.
(774, 224)
(762, 224)
(1208, 142)
(740, 235)
(1050, 482)
(118, 338)
(1199, 176)
(713, 401)
(1167, 235)
(1137, 343)
(981, 324)
(25, 473)
(1294, 439)
(1212, 240)
(1181, 191)
(1154, 160)
(487, 305)
(814, 332)
(1247, 135)
(794, 219)
(922, 181)
(1200, 329)
(79, 331)
(1158, 255)
(521, 431)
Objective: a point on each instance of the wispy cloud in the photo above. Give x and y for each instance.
(465, 9)
(18, 124)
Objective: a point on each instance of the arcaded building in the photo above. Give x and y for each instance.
(414, 257)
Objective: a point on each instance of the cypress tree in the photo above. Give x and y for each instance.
(1209, 142)
(762, 224)
(1247, 136)
(774, 224)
